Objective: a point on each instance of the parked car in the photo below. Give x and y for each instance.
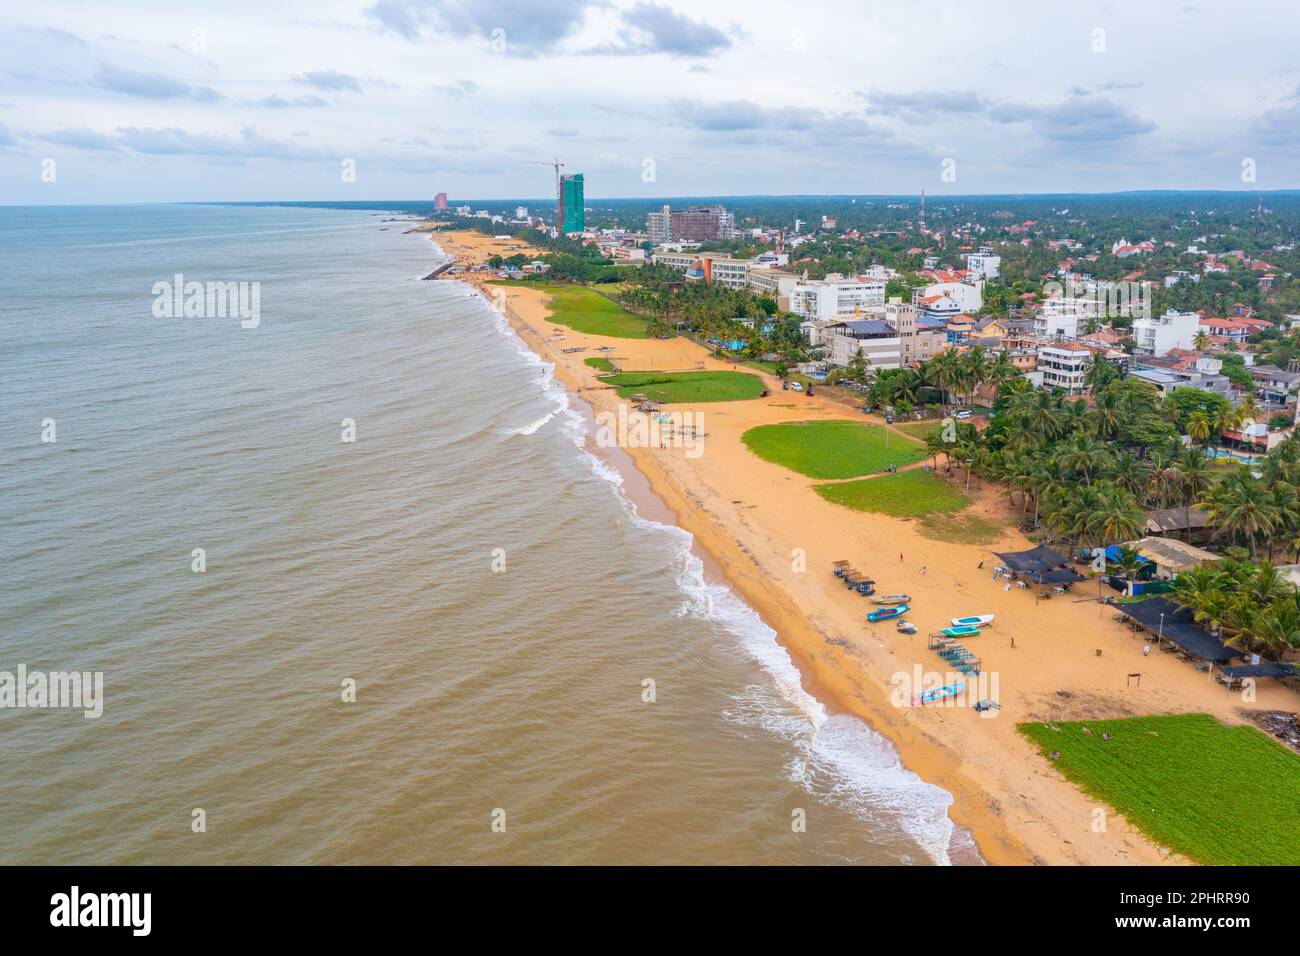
(963, 413)
(796, 386)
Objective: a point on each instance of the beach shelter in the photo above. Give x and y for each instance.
(1034, 562)
(1238, 672)
(1176, 624)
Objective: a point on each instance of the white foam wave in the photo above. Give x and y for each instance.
(837, 757)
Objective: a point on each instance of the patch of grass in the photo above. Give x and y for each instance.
(909, 494)
(1218, 795)
(587, 311)
(600, 363)
(675, 387)
(961, 529)
(831, 449)
(920, 430)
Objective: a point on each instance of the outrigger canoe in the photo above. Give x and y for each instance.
(887, 613)
(966, 630)
(886, 599)
(975, 620)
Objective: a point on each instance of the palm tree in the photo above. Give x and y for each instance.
(1128, 472)
(976, 368)
(1277, 627)
(943, 371)
(1201, 340)
(1118, 516)
(1241, 507)
(1194, 477)
(1228, 419)
(1203, 591)
(1199, 427)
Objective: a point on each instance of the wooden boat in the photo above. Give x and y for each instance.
(975, 620)
(940, 693)
(905, 627)
(886, 599)
(966, 630)
(887, 613)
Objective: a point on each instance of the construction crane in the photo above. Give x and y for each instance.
(559, 188)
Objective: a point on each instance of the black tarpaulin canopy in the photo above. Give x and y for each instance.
(1260, 670)
(1034, 561)
(1059, 576)
(1179, 627)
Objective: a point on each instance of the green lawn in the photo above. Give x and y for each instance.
(1218, 795)
(909, 494)
(831, 449)
(920, 430)
(600, 363)
(674, 387)
(585, 310)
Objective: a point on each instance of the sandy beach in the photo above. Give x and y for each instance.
(1059, 659)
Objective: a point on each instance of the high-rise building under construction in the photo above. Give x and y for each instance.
(570, 215)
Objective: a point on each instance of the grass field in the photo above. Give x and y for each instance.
(1218, 795)
(831, 449)
(920, 430)
(672, 387)
(961, 529)
(600, 363)
(909, 494)
(584, 310)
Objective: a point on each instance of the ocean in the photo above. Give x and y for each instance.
(429, 644)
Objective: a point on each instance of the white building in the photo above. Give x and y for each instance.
(660, 225)
(1157, 335)
(773, 283)
(1063, 317)
(1063, 366)
(984, 262)
(969, 296)
(836, 296)
(681, 261)
(726, 272)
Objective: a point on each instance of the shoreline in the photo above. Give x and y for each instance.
(1017, 809)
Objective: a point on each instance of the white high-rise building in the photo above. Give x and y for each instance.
(660, 225)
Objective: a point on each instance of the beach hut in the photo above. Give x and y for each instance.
(1171, 557)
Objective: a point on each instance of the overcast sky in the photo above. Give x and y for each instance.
(269, 100)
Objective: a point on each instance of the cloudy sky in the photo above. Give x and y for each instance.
(139, 101)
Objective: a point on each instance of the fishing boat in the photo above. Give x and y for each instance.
(940, 693)
(965, 630)
(887, 613)
(905, 627)
(891, 599)
(975, 620)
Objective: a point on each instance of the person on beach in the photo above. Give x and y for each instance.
(1146, 650)
(900, 556)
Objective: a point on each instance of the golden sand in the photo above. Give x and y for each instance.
(1058, 659)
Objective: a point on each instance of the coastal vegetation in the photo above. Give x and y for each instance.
(1218, 795)
(908, 494)
(687, 387)
(600, 363)
(1249, 604)
(831, 449)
